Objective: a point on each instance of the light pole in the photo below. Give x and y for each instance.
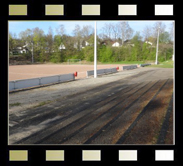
(156, 62)
(95, 51)
(32, 52)
(173, 42)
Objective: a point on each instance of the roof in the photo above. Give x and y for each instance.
(127, 41)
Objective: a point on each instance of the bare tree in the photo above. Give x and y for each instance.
(61, 30)
(147, 32)
(86, 31)
(107, 30)
(115, 31)
(12, 41)
(102, 36)
(125, 30)
(172, 35)
(49, 39)
(78, 36)
(27, 35)
(171, 31)
(77, 30)
(161, 27)
(60, 38)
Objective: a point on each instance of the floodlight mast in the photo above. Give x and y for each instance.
(95, 51)
(156, 62)
(32, 52)
(173, 41)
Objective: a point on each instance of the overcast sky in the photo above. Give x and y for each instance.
(18, 26)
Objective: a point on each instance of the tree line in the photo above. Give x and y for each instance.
(133, 46)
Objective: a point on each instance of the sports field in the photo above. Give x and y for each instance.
(17, 72)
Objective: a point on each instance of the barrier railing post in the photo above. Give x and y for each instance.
(14, 84)
(95, 51)
(76, 74)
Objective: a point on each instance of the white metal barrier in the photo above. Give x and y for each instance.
(27, 83)
(101, 71)
(129, 67)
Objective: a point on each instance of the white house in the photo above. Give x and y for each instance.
(20, 50)
(83, 44)
(86, 43)
(76, 45)
(147, 42)
(132, 45)
(62, 47)
(116, 44)
(24, 49)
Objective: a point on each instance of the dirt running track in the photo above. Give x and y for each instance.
(135, 109)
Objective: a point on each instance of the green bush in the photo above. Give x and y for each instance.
(55, 58)
(106, 54)
(88, 53)
(140, 52)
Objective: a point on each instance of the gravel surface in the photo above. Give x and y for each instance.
(104, 110)
(33, 97)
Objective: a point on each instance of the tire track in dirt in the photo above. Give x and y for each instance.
(90, 130)
(62, 133)
(122, 109)
(169, 139)
(167, 125)
(73, 117)
(114, 130)
(104, 119)
(149, 121)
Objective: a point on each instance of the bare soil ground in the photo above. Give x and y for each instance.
(128, 107)
(18, 72)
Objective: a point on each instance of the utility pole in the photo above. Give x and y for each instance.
(156, 62)
(95, 51)
(32, 52)
(173, 42)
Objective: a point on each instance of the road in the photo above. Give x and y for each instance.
(135, 109)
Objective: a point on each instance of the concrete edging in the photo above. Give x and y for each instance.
(129, 67)
(33, 82)
(145, 64)
(101, 71)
